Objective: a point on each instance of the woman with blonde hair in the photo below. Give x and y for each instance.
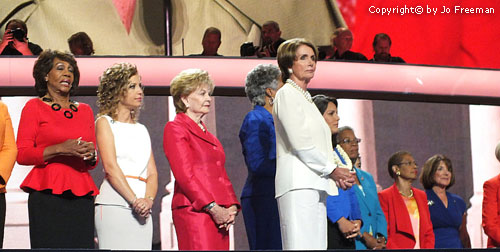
(123, 208)
(204, 205)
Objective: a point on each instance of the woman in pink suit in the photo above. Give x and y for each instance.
(405, 207)
(204, 204)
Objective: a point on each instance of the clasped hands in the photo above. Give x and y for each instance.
(343, 178)
(142, 206)
(79, 148)
(222, 216)
(350, 229)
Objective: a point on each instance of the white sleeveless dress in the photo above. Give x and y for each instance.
(117, 226)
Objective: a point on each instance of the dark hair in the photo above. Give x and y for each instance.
(321, 102)
(273, 24)
(82, 40)
(212, 30)
(19, 21)
(430, 168)
(44, 64)
(381, 36)
(396, 159)
(287, 54)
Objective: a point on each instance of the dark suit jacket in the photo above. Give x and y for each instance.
(197, 160)
(491, 211)
(399, 228)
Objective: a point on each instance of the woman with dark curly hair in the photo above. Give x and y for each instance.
(123, 208)
(57, 136)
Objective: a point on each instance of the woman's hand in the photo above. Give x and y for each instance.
(350, 229)
(369, 241)
(381, 243)
(342, 177)
(142, 207)
(222, 216)
(233, 211)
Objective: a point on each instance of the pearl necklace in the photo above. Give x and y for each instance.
(338, 161)
(306, 94)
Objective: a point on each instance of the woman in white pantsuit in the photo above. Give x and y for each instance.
(122, 209)
(305, 163)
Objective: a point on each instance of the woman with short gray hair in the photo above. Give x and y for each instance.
(258, 141)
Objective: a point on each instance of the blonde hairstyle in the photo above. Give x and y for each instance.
(185, 83)
(287, 54)
(113, 87)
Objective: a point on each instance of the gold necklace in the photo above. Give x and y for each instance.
(409, 196)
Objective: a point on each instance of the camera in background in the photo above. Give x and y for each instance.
(18, 34)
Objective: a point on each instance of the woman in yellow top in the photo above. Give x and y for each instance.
(8, 154)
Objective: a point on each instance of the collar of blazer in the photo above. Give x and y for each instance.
(403, 222)
(196, 130)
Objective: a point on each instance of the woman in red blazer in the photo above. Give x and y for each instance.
(405, 207)
(491, 211)
(204, 204)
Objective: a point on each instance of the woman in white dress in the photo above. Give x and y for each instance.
(122, 209)
(305, 164)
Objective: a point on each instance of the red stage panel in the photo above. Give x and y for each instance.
(342, 79)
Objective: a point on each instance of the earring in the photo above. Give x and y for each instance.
(187, 105)
(271, 101)
(46, 79)
(398, 173)
(290, 71)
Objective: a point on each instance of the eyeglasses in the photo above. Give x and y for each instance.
(349, 141)
(409, 163)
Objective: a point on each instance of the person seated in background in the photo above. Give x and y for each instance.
(80, 44)
(448, 216)
(382, 48)
(15, 40)
(491, 206)
(342, 42)
(374, 229)
(405, 207)
(210, 42)
(271, 40)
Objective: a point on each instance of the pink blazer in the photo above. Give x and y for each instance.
(197, 160)
(399, 230)
(491, 211)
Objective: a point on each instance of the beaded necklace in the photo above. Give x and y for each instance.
(306, 94)
(56, 107)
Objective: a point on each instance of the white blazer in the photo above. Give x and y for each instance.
(304, 155)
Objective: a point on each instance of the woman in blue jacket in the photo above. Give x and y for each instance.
(258, 141)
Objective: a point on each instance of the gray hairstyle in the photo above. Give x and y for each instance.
(258, 80)
(342, 129)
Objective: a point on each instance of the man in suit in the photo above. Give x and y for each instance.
(374, 229)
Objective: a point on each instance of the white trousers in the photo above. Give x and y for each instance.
(303, 220)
